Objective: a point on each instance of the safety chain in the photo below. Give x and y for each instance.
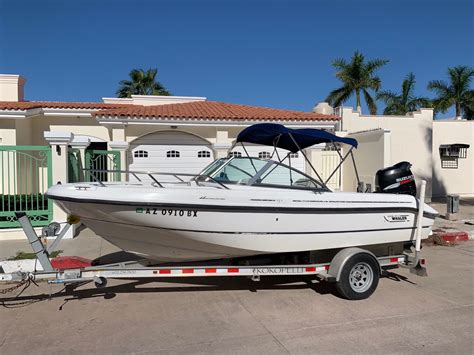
(26, 282)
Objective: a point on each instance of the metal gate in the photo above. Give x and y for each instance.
(102, 160)
(75, 170)
(26, 176)
(330, 160)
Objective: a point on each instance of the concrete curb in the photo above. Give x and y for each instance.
(453, 236)
(30, 265)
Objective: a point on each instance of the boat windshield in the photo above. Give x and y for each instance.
(255, 171)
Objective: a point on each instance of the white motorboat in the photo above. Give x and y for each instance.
(243, 206)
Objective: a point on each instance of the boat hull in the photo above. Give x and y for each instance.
(187, 232)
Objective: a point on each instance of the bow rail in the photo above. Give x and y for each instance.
(152, 175)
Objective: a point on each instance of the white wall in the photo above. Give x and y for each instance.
(152, 100)
(11, 87)
(372, 154)
(411, 138)
(453, 181)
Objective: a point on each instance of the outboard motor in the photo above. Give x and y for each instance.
(396, 179)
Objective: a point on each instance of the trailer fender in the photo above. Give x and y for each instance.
(341, 258)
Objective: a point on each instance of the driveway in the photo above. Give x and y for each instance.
(407, 314)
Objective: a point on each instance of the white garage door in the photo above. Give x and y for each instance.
(258, 151)
(170, 151)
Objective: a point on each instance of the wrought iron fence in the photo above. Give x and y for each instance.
(103, 160)
(25, 177)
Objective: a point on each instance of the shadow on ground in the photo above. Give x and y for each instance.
(75, 292)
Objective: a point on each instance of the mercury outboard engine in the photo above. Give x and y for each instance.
(396, 179)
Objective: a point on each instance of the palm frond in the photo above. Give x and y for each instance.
(141, 83)
(419, 102)
(370, 102)
(356, 75)
(408, 86)
(339, 63)
(375, 64)
(439, 87)
(338, 96)
(387, 96)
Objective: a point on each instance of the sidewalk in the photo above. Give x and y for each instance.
(466, 213)
(87, 245)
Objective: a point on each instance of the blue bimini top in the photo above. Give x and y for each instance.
(277, 135)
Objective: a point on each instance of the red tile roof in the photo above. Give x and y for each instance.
(212, 110)
(26, 105)
(191, 110)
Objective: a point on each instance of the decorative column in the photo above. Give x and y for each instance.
(122, 148)
(81, 143)
(221, 150)
(59, 143)
(222, 145)
(118, 133)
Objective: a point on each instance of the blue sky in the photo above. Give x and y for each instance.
(267, 53)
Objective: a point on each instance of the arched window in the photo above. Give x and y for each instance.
(172, 154)
(140, 154)
(235, 154)
(204, 154)
(264, 155)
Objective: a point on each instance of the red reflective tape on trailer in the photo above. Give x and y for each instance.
(211, 271)
(165, 271)
(233, 270)
(188, 271)
(394, 260)
(311, 269)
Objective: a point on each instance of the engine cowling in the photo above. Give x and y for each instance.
(396, 179)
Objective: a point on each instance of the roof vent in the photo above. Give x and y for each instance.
(323, 108)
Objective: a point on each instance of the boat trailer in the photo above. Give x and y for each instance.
(355, 270)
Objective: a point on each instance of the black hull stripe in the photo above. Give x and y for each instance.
(257, 233)
(248, 209)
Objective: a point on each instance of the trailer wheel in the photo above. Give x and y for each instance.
(359, 277)
(100, 282)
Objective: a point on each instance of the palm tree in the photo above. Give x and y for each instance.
(406, 101)
(357, 77)
(141, 83)
(456, 93)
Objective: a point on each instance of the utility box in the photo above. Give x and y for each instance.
(452, 207)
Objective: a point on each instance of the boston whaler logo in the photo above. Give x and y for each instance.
(167, 212)
(396, 218)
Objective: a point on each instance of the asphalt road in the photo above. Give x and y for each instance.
(407, 314)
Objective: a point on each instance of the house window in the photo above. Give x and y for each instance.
(264, 155)
(451, 153)
(294, 155)
(172, 154)
(235, 154)
(140, 154)
(204, 154)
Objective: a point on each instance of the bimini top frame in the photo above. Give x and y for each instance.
(295, 140)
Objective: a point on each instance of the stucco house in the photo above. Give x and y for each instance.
(45, 142)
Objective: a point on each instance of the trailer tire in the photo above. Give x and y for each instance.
(359, 277)
(100, 282)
